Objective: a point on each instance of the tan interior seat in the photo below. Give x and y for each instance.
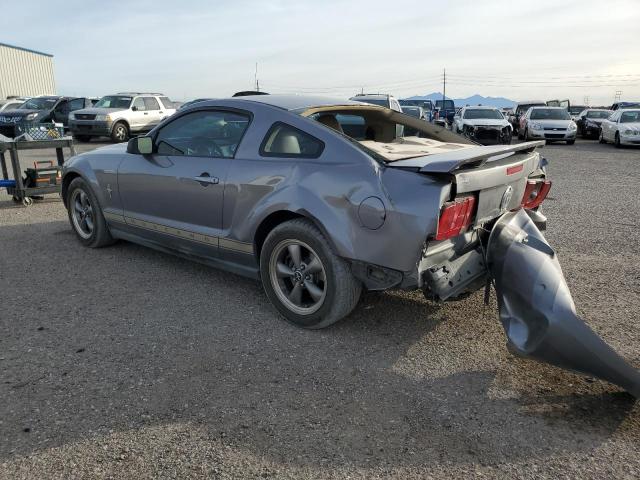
(286, 143)
(330, 121)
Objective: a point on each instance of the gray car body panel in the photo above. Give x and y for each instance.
(372, 214)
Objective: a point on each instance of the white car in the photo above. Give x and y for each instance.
(485, 125)
(552, 124)
(621, 128)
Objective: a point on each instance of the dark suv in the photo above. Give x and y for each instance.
(44, 109)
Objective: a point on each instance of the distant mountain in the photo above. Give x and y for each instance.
(476, 99)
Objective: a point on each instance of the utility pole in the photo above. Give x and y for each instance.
(256, 78)
(444, 86)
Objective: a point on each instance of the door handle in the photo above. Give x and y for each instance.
(205, 179)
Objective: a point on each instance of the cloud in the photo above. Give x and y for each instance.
(201, 48)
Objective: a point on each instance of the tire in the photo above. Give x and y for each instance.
(617, 141)
(508, 140)
(601, 138)
(336, 289)
(94, 232)
(82, 138)
(526, 134)
(570, 142)
(120, 132)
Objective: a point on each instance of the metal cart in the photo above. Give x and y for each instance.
(21, 192)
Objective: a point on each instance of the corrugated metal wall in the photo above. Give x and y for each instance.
(25, 73)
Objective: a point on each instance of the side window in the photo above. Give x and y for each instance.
(166, 102)
(63, 106)
(138, 104)
(151, 103)
(212, 133)
(76, 104)
(283, 140)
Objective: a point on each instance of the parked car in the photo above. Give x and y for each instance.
(589, 121)
(485, 125)
(575, 110)
(445, 110)
(269, 187)
(416, 112)
(121, 115)
(426, 105)
(384, 100)
(43, 109)
(621, 128)
(12, 103)
(552, 124)
(519, 110)
(619, 105)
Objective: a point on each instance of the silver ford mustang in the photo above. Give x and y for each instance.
(322, 199)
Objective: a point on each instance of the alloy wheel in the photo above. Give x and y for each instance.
(82, 214)
(298, 276)
(120, 133)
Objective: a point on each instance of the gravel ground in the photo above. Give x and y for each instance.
(128, 363)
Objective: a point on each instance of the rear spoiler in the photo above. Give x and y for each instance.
(450, 161)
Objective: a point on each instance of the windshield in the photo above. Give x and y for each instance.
(477, 113)
(550, 114)
(413, 111)
(114, 102)
(631, 116)
(375, 101)
(417, 103)
(448, 104)
(575, 110)
(39, 104)
(598, 114)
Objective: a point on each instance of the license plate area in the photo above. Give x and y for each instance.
(493, 202)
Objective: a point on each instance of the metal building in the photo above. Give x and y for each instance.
(25, 72)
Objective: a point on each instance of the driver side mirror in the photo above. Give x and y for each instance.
(134, 109)
(140, 146)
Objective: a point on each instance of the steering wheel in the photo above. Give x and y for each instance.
(206, 147)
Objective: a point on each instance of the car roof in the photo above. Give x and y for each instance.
(483, 107)
(294, 102)
(548, 107)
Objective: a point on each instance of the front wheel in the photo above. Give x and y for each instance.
(570, 142)
(304, 279)
(120, 133)
(85, 215)
(617, 140)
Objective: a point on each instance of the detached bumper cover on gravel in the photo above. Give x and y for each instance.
(536, 308)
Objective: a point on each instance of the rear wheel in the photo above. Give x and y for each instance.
(85, 215)
(304, 279)
(120, 132)
(617, 140)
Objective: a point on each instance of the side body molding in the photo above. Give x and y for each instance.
(536, 308)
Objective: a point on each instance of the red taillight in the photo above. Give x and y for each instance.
(535, 193)
(455, 216)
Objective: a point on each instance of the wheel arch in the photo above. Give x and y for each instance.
(278, 217)
(121, 120)
(66, 181)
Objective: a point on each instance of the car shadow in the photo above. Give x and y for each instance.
(124, 337)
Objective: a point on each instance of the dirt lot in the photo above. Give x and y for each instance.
(127, 363)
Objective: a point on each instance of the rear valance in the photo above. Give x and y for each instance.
(451, 161)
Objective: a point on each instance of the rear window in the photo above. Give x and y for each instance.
(598, 114)
(448, 104)
(283, 140)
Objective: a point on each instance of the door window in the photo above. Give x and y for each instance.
(213, 133)
(138, 104)
(76, 104)
(151, 103)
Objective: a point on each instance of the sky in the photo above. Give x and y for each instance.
(540, 49)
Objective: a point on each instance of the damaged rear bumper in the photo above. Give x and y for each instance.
(537, 310)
